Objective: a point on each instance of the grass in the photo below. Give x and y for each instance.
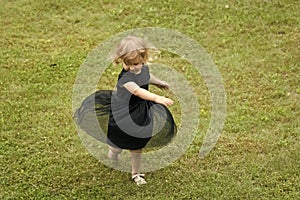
(255, 44)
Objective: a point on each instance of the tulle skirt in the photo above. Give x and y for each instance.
(134, 125)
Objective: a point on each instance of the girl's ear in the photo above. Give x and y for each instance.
(125, 66)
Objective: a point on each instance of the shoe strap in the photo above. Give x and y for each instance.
(138, 175)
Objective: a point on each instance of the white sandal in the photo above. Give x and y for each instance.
(139, 179)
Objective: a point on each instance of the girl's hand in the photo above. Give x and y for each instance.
(164, 101)
(159, 83)
(163, 85)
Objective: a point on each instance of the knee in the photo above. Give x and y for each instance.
(115, 150)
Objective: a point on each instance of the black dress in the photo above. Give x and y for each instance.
(124, 120)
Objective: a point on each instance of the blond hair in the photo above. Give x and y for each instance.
(131, 50)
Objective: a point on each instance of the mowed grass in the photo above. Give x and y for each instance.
(255, 44)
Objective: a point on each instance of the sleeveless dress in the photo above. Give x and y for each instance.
(123, 120)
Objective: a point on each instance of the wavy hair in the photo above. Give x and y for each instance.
(131, 50)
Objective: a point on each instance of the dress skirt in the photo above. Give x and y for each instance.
(126, 125)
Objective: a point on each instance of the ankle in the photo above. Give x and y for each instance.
(133, 174)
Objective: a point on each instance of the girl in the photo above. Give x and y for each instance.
(133, 111)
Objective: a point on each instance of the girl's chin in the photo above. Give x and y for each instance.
(135, 71)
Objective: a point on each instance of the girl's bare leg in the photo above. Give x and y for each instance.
(136, 160)
(113, 153)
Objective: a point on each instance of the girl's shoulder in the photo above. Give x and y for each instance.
(145, 68)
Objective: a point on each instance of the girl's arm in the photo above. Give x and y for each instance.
(159, 83)
(145, 94)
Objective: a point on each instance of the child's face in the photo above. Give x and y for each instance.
(134, 67)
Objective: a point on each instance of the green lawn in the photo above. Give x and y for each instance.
(255, 45)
